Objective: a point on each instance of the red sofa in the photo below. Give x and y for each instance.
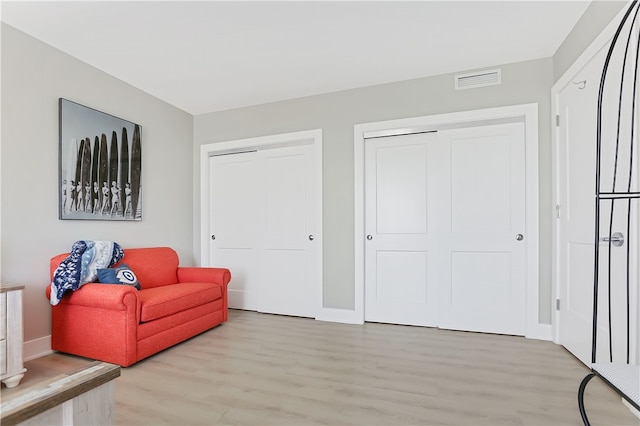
(122, 325)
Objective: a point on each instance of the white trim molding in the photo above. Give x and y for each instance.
(345, 316)
(528, 113)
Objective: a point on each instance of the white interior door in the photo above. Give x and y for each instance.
(400, 259)
(442, 216)
(576, 188)
(483, 272)
(263, 213)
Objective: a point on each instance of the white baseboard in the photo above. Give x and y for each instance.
(631, 408)
(541, 332)
(36, 348)
(346, 316)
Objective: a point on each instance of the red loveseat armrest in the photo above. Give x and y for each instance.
(104, 296)
(204, 275)
(98, 321)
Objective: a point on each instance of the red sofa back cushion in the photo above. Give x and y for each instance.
(154, 266)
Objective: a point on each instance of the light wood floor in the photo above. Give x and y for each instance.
(260, 369)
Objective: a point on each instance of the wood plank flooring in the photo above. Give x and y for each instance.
(260, 369)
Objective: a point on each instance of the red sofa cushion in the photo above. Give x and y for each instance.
(159, 302)
(154, 266)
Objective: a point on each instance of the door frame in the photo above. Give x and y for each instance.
(527, 113)
(307, 137)
(567, 78)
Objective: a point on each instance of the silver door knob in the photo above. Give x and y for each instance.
(369, 237)
(617, 239)
(311, 237)
(519, 237)
(213, 237)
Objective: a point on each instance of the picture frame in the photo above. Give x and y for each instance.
(99, 163)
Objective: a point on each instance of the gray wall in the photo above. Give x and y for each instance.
(337, 113)
(588, 27)
(34, 76)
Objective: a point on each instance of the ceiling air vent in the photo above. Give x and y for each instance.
(478, 79)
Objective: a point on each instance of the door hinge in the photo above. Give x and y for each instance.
(557, 304)
(557, 120)
(558, 211)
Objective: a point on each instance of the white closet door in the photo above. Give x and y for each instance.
(400, 260)
(263, 213)
(289, 242)
(234, 199)
(443, 216)
(483, 277)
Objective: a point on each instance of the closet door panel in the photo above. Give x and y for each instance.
(480, 190)
(287, 253)
(483, 276)
(401, 189)
(399, 257)
(234, 201)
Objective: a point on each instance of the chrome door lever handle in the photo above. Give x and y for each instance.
(617, 239)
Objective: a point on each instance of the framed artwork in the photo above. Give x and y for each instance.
(99, 163)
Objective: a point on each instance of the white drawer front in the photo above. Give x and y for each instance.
(3, 316)
(3, 357)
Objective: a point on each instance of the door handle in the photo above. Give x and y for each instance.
(617, 239)
(311, 237)
(369, 237)
(213, 237)
(519, 237)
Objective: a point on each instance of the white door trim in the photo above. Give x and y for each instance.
(566, 79)
(527, 113)
(308, 137)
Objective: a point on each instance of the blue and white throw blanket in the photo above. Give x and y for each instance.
(82, 264)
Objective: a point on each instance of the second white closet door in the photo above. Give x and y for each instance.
(445, 220)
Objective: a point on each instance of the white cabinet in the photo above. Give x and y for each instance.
(11, 365)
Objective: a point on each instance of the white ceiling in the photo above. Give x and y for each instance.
(204, 56)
